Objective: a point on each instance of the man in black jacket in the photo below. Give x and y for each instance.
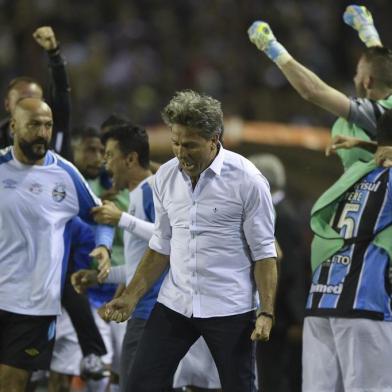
(59, 96)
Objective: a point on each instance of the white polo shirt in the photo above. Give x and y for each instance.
(213, 235)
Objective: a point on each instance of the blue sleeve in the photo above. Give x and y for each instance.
(148, 202)
(82, 243)
(87, 200)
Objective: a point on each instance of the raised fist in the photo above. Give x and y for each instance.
(261, 35)
(45, 37)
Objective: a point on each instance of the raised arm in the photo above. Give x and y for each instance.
(59, 90)
(361, 20)
(303, 80)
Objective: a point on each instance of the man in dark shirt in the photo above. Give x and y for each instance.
(59, 96)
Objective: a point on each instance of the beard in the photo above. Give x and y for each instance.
(35, 150)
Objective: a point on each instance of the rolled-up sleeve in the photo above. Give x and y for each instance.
(160, 240)
(259, 218)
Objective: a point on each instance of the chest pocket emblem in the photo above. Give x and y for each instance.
(59, 193)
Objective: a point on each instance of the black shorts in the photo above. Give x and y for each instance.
(26, 342)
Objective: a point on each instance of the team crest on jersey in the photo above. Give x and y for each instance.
(59, 192)
(9, 183)
(35, 188)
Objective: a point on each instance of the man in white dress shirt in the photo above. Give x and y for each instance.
(215, 219)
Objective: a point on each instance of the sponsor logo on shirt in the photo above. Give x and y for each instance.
(326, 288)
(59, 193)
(338, 259)
(35, 188)
(9, 183)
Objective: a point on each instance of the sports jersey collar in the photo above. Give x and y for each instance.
(48, 160)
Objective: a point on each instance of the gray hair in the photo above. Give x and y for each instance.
(272, 168)
(199, 112)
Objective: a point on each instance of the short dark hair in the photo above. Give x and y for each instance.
(82, 132)
(21, 79)
(130, 138)
(380, 61)
(384, 129)
(114, 119)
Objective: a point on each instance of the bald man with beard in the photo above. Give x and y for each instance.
(40, 193)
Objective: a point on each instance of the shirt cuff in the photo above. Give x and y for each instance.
(126, 221)
(160, 245)
(266, 252)
(117, 275)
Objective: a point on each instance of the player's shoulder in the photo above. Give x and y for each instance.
(236, 162)
(166, 171)
(65, 165)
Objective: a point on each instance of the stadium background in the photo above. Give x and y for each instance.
(130, 56)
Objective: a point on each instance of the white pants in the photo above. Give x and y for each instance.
(346, 355)
(67, 354)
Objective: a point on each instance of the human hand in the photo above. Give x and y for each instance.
(83, 279)
(45, 37)
(118, 309)
(361, 20)
(102, 255)
(339, 141)
(262, 36)
(109, 194)
(262, 329)
(107, 214)
(383, 156)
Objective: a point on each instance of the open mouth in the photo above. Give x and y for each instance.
(187, 165)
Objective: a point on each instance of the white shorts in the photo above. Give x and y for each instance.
(346, 355)
(67, 354)
(197, 368)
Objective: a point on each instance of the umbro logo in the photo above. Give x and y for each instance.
(9, 183)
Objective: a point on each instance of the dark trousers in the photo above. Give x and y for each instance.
(168, 336)
(79, 310)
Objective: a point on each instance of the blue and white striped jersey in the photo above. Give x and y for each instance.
(36, 205)
(354, 282)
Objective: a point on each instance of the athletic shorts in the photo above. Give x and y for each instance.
(26, 342)
(67, 354)
(350, 355)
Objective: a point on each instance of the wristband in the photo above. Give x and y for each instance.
(265, 314)
(277, 53)
(108, 249)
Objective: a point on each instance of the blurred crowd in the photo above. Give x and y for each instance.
(130, 56)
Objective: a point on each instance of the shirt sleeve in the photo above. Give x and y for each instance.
(117, 275)
(87, 200)
(60, 102)
(139, 227)
(160, 240)
(364, 113)
(82, 243)
(259, 219)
